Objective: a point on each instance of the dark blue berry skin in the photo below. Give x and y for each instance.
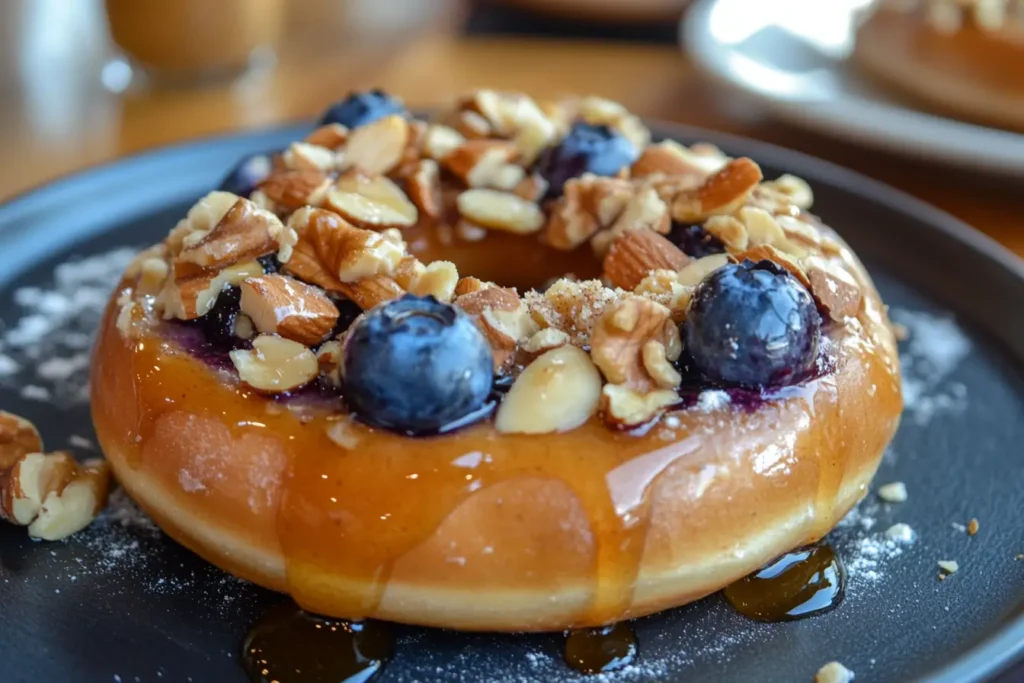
(218, 325)
(348, 311)
(695, 241)
(416, 366)
(244, 178)
(361, 108)
(752, 325)
(270, 263)
(586, 149)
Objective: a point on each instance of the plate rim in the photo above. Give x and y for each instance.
(919, 133)
(992, 655)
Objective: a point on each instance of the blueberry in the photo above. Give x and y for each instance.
(270, 263)
(416, 366)
(361, 108)
(348, 311)
(218, 325)
(695, 240)
(247, 174)
(752, 325)
(586, 149)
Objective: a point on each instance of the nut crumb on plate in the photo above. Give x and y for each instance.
(895, 492)
(833, 672)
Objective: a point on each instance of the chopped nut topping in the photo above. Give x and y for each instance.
(972, 527)
(332, 136)
(695, 271)
(896, 492)
(635, 253)
(372, 291)
(328, 357)
(425, 188)
(729, 231)
(500, 211)
(468, 285)
(833, 672)
(657, 365)
(599, 111)
(275, 364)
(618, 340)
(588, 204)
(836, 290)
(900, 532)
(669, 158)
(438, 280)
(277, 304)
(663, 287)
(18, 437)
(293, 190)
(572, 307)
(377, 147)
(305, 156)
(371, 202)
(532, 188)
(502, 317)
(545, 340)
(192, 297)
(765, 252)
(243, 234)
(722, 193)
(949, 566)
(624, 407)
(486, 163)
(76, 505)
(200, 220)
(29, 481)
(644, 211)
(795, 190)
(558, 391)
(440, 141)
(331, 250)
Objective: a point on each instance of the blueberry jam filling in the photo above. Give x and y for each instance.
(600, 150)
(751, 325)
(417, 366)
(218, 325)
(695, 241)
(348, 311)
(361, 108)
(247, 175)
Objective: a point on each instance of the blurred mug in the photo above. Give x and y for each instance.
(194, 39)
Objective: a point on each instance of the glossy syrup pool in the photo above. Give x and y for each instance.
(288, 645)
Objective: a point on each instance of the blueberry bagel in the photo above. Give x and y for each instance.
(960, 56)
(515, 368)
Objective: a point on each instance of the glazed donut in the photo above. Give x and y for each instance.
(326, 381)
(959, 56)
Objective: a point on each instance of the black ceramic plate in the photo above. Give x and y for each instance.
(120, 602)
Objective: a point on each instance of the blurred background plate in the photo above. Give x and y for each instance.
(792, 56)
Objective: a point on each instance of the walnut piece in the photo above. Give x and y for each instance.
(624, 407)
(330, 250)
(73, 508)
(18, 437)
(618, 340)
(501, 316)
(722, 193)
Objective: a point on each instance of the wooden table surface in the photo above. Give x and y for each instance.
(57, 117)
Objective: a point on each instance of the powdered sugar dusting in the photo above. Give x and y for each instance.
(936, 348)
(45, 351)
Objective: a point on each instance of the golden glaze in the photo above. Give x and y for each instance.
(591, 517)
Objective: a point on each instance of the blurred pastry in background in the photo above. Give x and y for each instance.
(964, 57)
(606, 10)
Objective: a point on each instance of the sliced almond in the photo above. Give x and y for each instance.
(468, 285)
(280, 305)
(293, 190)
(635, 253)
(424, 185)
(307, 156)
(558, 391)
(74, 507)
(501, 211)
(471, 124)
(29, 481)
(721, 193)
(371, 202)
(694, 272)
(794, 189)
(761, 226)
(669, 158)
(377, 147)
(18, 437)
(332, 136)
(275, 364)
(440, 141)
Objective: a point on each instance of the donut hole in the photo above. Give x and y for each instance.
(508, 260)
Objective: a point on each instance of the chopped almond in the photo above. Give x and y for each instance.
(277, 304)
